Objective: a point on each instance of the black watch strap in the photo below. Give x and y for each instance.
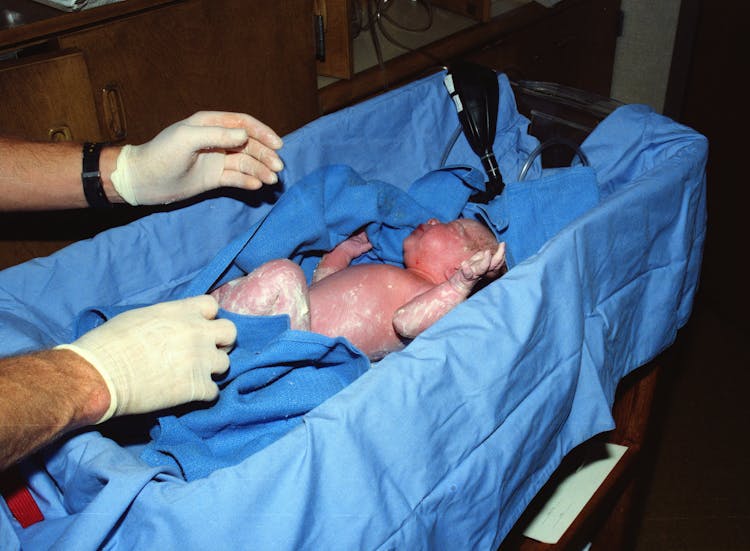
(91, 177)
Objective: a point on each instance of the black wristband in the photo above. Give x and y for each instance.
(93, 188)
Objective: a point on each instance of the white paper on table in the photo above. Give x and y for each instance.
(571, 495)
(75, 5)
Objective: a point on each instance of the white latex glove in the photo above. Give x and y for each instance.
(159, 356)
(205, 151)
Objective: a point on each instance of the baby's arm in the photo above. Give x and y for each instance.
(423, 310)
(342, 255)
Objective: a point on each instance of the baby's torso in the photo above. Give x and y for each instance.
(359, 302)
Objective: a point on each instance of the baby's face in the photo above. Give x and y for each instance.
(436, 247)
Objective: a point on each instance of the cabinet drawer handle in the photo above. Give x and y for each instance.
(60, 133)
(114, 111)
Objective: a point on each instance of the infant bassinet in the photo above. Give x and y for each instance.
(441, 445)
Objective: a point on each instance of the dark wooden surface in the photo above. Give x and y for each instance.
(36, 22)
(476, 9)
(572, 43)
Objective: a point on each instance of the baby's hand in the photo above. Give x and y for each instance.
(497, 262)
(482, 263)
(342, 255)
(357, 244)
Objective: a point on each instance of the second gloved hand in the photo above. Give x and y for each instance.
(159, 356)
(205, 151)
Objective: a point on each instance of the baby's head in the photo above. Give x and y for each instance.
(438, 249)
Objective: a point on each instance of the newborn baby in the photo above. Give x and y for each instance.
(377, 307)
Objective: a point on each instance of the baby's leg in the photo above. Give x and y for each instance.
(277, 287)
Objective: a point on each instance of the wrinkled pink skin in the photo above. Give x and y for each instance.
(375, 306)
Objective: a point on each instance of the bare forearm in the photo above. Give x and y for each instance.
(423, 310)
(41, 175)
(43, 396)
(331, 263)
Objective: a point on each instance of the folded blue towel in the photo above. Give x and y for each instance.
(272, 386)
(529, 213)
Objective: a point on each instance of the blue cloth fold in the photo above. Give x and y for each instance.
(528, 213)
(277, 386)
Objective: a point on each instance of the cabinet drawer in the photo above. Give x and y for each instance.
(48, 98)
(225, 55)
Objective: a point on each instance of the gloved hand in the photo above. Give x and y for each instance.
(205, 151)
(159, 356)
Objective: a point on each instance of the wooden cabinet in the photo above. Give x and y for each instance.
(138, 66)
(229, 55)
